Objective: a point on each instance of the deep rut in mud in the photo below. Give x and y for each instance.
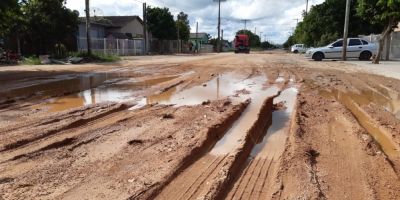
(209, 176)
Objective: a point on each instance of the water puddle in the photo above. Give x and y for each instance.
(352, 102)
(222, 86)
(233, 138)
(274, 141)
(100, 89)
(384, 97)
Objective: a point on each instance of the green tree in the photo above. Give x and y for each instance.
(324, 24)
(383, 12)
(9, 14)
(182, 24)
(161, 23)
(255, 40)
(268, 45)
(47, 23)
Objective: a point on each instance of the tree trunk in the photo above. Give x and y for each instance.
(88, 38)
(388, 44)
(386, 33)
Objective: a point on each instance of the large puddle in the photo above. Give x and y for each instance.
(353, 101)
(222, 86)
(92, 89)
(274, 141)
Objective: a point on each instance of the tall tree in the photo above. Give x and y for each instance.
(385, 12)
(88, 37)
(324, 24)
(255, 40)
(161, 23)
(9, 14)
(182, 24)
(47, 23)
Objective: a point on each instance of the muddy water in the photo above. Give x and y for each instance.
(97, 89)
(383, 97)
(233, 138)
(274, 141)
(351, 101)
(222, 86)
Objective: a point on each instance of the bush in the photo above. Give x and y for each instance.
(95, 57)
(32, 60)
(59, 51)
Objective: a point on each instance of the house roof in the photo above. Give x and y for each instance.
(118, 35)
(200, 35)
(112, 21)
(122, 20)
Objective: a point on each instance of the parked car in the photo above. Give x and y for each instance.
(298, 48)
(356, 48)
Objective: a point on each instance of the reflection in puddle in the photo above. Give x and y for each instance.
(352, 102)
(102, 90)
(274, 141)
(386, 98)
(223, 86)
(232, 139)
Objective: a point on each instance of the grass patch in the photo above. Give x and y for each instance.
(32, 60)
(96, 57)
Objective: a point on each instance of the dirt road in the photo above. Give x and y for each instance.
(266, 125)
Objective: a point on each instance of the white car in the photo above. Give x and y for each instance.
(356, 48)
(298, 48)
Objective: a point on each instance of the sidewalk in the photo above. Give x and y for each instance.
(385, 68)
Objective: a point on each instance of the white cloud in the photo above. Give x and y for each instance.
(274, 18)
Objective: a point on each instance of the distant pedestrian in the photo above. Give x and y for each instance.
(190, 46)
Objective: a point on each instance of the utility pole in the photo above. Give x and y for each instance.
(306, 7)
(222, 39)
(88, 38)
(245, 23)
(219, 27)
(197, 37)
(177, 30)
(297, 21)
(255, 30)
(346, 30)
(261, 34)
(219, 24)
(145, 29)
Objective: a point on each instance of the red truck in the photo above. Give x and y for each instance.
(242, 43)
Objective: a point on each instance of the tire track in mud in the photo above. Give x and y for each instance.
(205, 180)
(56, 136)
(257, 179)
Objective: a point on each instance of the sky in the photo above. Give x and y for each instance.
(274, 20)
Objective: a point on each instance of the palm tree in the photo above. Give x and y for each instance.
(88, 39)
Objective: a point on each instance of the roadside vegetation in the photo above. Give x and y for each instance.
(324, 23)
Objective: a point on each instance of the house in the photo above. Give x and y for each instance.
(120, 35)
(202, 38)
(116, 27)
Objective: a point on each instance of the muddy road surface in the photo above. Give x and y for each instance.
(266, 125)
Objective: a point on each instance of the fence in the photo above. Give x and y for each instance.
(125, 47)
(175, 46)
(394, 44)
(121, 47)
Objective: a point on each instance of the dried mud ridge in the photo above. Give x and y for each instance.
(325, 134)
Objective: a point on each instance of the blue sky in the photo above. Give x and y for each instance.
(274, 18)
